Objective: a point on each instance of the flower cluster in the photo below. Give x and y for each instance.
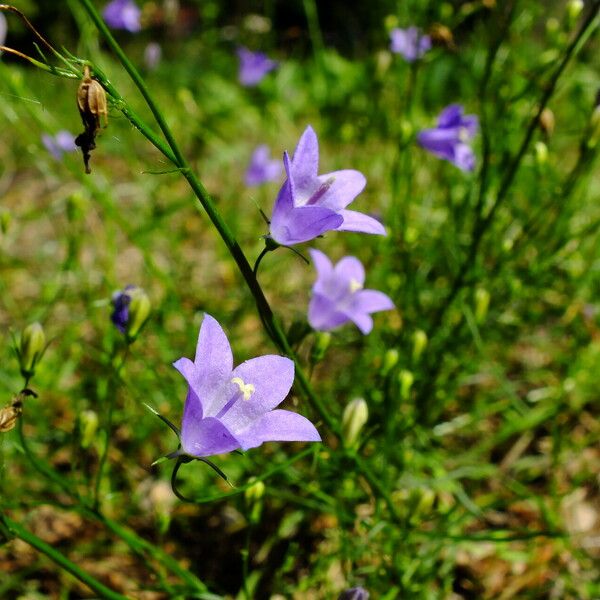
(410, 43)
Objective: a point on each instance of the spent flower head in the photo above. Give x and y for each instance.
(229, 408)
(310, 204)
(450, 138)
(60, 143)
(338, 295)
(411, 43)
(262, 167)
(253, 66)
(123, 14)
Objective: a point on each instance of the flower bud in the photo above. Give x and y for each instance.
(541, 154)
(419, 344)
(31, 348)
(357, 593)
(321, 343)
(5, 219)
(482, 302)
(574, 8)
(547, 121)
(253, 496)
(390, 360)
(406, 380)
(131, 309)
(88, 426)
(354, 418)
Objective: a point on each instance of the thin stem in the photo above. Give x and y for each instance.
(60, 559)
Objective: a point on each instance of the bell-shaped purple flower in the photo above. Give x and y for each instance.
(357, 593)
(450, 139)
(253, 66)
(411, 43)
(121, 301)
(60, 143)
(310, 204)
(229, 408)
(338, 295)
(262, 167)
(123, 14)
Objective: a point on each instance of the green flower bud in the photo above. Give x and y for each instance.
(31, 348)
(406, 380)
(354, 418)
(541, 154)
(390, 360)
(419, 343)
(253, 496)
(574, 8)
(482, 302)
(139, 311)
(5, 219)
(320, 346)
(88, 426)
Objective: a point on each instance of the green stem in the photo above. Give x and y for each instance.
(60, 559)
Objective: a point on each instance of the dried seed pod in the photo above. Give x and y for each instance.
(91, 101)
(10, 413)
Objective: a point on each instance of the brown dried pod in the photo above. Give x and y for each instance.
(91, 101)
(442, 36)
(10, 413)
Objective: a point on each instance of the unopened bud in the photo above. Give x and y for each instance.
(88, 426)
(406, 380)
(482, 302)
(5, 219)
(357, 593)
(419, 343)
(354, 418)
(541, 153)
(390, 360)
(574, 8)
(253, 496)
(320, 346)
(131, 309)
(31, 347)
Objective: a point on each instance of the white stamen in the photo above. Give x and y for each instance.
(463, 134)
(247, 389)
(355, 286)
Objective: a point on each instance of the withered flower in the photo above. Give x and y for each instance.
(91, 101)
(10, 413)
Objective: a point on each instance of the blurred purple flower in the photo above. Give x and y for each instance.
(309, 204)
(152, 55)
(357, 593)
(253, 66)
(3, 29)
(338, 295)
(262, 168)
(123, 14)
(449, 140)
(121, 301)
(229, 408)
(411, 43)
(60, 143)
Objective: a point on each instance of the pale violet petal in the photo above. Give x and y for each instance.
(359, 222)
(351, 271)
(207, 437)
(322, 264)
(370, 301)
(338, 189)
(305, 162)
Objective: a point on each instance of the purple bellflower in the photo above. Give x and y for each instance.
(121, 301)
(357, 593)
(229, 408)
(262, 168)
(338, 295)
(60, 143)
(411, 43)
(449, 140)
(123, 14)
(309, 204)
(253, 66)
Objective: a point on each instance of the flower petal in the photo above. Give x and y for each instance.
(207, 437)
(278, 426)
(359, 222)
(271, 377)
(322, 264)
(338, 189)
(192, 410)
(370, 301)
(323, 314)
(304, 224)
(350, 270)
(363, 321)
(450, 116)
(305, 162)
